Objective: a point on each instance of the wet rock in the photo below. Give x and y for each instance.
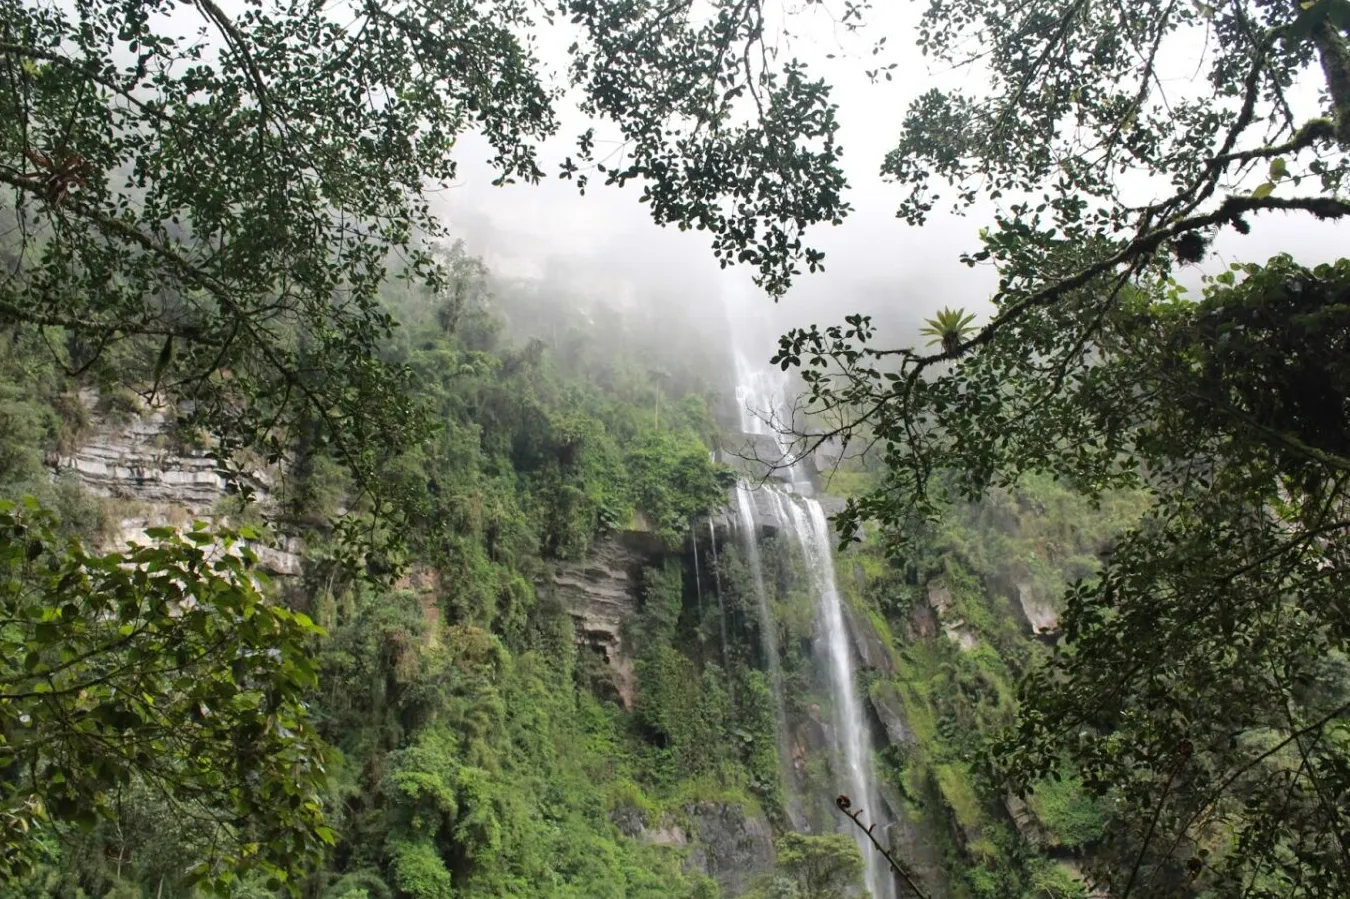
(913, 842)
(424, 582)
(1077, 870)
(890, 711)
(729, 845)
(872, 653)
(633, 822)
(758, 457)
(1024, 819)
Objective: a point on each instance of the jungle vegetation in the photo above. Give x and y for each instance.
(225, 207)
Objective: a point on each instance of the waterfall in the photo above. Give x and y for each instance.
(851, 729)
(768, 635)
(763, 395)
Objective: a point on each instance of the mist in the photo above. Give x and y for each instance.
(604, 243)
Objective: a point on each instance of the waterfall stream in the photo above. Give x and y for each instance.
(768, 635)
(851, 728)
(763, 395)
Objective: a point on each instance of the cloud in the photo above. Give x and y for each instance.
(875, 263)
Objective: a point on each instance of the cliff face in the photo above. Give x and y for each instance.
(149, 480)
(722, 840)
(133, 460)
(601, 593)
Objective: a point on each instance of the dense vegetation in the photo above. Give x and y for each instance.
(470, 745)
(230, 222)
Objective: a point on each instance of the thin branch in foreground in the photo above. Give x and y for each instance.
(845, 805)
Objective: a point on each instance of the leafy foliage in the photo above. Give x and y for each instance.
(220, 195)
(1147, 697)
(824, 866)
(469, 753)
(161, 668)
(676, 85)
(1197, 687)
(948, 328)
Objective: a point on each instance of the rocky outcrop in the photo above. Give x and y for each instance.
(1040, 614)
(867, 643)
(722, 840)
(728, 844)
(890, 711)
(940, 600)
(767, 509)
(1076, 870)
(758, 456)
(157, 482)
(913, 843)
(600, 593)
(1024, 819)
(135, 462)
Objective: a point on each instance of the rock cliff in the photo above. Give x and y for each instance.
(723, 840)
(601, 592)
(134, 461)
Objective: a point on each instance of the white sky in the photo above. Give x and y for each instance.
(874, 263)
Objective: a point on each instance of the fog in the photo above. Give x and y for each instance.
(605, 243)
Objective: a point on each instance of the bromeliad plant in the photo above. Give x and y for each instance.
(949, 327)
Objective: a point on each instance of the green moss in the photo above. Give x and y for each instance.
(1072, 818)
(953, 780)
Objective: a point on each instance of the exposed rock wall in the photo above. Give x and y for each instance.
(722, 840)
(960, 633)
(601, 593)
(135, 461)
(730, 845)
(156, 482)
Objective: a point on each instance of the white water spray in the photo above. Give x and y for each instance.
(763, 395)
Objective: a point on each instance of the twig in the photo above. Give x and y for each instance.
(845, 806)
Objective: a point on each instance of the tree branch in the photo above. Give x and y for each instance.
(856, 817)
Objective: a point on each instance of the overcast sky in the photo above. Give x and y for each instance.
(875, 263)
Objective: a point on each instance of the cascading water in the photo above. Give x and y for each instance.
(762, 394)
(851, 732)
(768, 635)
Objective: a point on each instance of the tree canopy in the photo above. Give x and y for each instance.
(163, 669)
(1199, 684)
(224, 191)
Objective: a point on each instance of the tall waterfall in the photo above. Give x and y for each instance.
(763, 396)
(768, 634)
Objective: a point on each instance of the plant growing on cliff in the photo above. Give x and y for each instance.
(1192, 687)
(822, 866)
